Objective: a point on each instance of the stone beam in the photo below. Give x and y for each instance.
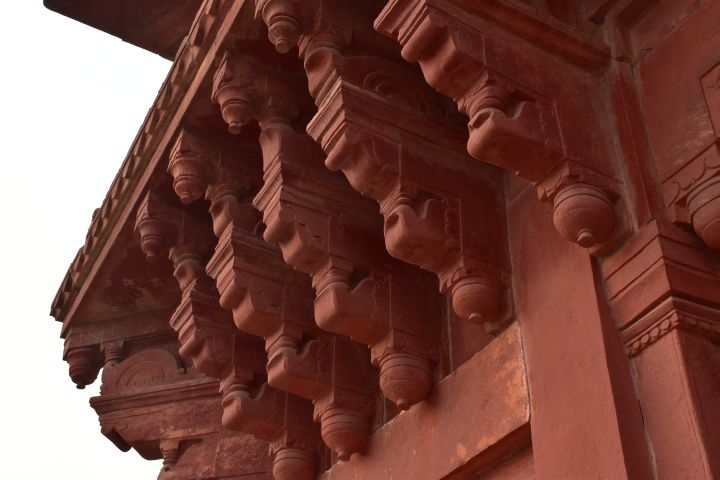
(448, 428)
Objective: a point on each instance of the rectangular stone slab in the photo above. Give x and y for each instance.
(478, 414)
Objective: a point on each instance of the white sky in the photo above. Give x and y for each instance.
(71, 101)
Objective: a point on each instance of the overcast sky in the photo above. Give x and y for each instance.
(71, 100)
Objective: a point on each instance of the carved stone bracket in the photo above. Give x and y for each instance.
(693, 192)
(113, 352)
(208, 336)
(84, 364)
(443, 211)
(282, 419)
(511, 125)
(270, 300)
(369, 111)
(326, 230)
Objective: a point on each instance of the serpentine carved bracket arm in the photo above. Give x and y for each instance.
(270, 300)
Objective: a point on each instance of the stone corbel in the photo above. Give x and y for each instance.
(84, 364)
(436, 201)
(246, 92)
(170, 448)
(418, 226)
(269, 300)
(510, 126)
(204, 329)
(347, 403)
(322, 228)
(320, 30)
(282, 419)
(299, 360)
(113, 353)
(703, 205)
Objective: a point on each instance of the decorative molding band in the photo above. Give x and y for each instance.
(673, 313)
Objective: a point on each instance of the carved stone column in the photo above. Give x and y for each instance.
(325, 229)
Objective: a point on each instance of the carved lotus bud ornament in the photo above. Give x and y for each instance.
(152, 237)
(294, 464)
(476, 299)
(188, 168)
(283, 19)
(405, 379)
(583, 214)
(84, 365)
(345, 431)
(153, 229)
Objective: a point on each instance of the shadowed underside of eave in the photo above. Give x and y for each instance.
(157, 26)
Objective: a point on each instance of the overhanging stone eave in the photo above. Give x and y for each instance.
(180, 13)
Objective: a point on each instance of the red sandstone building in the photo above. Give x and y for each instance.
(411, 240)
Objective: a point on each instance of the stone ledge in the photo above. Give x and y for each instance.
(478, 414)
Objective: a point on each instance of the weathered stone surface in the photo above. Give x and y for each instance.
(351, 276)
(447, 429)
